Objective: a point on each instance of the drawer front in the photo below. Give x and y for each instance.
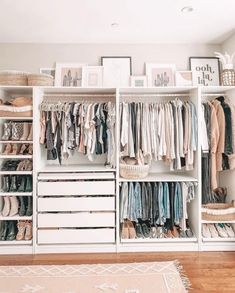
(83, 219)
(76, 204)
(77, 188)
(78, 236)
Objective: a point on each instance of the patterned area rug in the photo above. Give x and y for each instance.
(149, 277)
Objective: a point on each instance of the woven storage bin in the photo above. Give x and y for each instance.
(13, 78)
(228, 77)
(218, 212)
(134, 171)
(40, 80)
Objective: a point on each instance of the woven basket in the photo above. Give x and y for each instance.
(40, 80)
(11, 111)
(213, 210)
(134, 171)
(228, 77)
(13, 78)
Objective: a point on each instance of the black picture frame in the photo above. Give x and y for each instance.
(203, 83)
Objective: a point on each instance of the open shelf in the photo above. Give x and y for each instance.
(218, 239)
(157, 90)
(218, 222)
(16, 118)
(162, 177)
(216, 89)
(16, 218)
(16, 172)
(158, 240)
(16, 156)
(16, 141)
(16, 193)
(76, 168)
(16, 242)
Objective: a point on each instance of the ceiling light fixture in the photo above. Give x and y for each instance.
(187, 9)
(114, 25)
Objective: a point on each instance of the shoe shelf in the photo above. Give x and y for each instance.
(218, 222)
(162, 177)
(16, 218)
(17, 118)
(219, 239)
(16, 172)
(16, 242)
(159, 240)
(16, 193)
(16, 141)
(16, 156)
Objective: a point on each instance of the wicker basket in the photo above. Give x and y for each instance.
(218, 212)
(40, 80)
(228, 77)
(134, 171)
(13, 78)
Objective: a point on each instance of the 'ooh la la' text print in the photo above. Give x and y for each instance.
(206, 74)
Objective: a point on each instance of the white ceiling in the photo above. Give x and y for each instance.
(140, 21)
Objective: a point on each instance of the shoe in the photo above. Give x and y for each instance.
(160, 232)
(131, 230)
(10, 165)
(146, 230)
(30, 136)
(26, 129)
(153, 232)
(15, 149)
(17, 130)
(11, 233)
(6, 207)
(206, 231)
(14, 206)
(175, 232)
(7, 149)
(23, 149)
(21, 166)
(214, 231)
(28, 186)
(30, 149)
(13, 186)
(22, 209)
(21, 187)
(7, 128)
(189, 233)
(221, 230)
(6, 183)
(28, 165)
(169, 234)
(21, 226)
(28, 231)
(139, 231)
(29, 210)
(3, 231)
(1, 204)
(124, 230)
(229, 230)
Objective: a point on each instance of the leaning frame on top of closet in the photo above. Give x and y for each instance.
(159, 173)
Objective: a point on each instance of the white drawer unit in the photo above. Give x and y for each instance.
(76, 236)
(83, 219)
(76, 208)
(75, 204)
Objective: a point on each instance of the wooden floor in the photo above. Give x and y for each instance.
(207, 271)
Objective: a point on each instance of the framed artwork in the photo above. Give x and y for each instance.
(160, 75)
(50, 71)
(69, 74)
(138, 81)
(92, 76)
(183, 78)
(205, 71)
(117, 71)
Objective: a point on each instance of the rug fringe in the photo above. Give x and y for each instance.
(184, 278)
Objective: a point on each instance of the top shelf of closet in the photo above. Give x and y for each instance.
(17, 90)
(216, 89)
(76, 168)
(157, 90)
(77, 90)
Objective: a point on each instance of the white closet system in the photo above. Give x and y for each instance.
(76, 205)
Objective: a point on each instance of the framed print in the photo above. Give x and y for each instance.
(138, 81)
(92, 76)
(69, 74)
(50, 71)
(117, 71)
(183, 78)
(205, 71)
(160, 75)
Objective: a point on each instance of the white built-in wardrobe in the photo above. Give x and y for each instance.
(76, 206)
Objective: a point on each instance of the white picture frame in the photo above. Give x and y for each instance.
(69, 74)
(48, 70)
(92, 76)
(117, 71)
(160, 75)
(183, 78)
(138, 81)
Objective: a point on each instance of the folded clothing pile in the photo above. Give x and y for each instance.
(17, 107)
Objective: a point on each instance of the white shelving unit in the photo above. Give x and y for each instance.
(79, 167)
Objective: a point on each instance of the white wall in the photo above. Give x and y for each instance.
(30, 57)
(229, 46)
